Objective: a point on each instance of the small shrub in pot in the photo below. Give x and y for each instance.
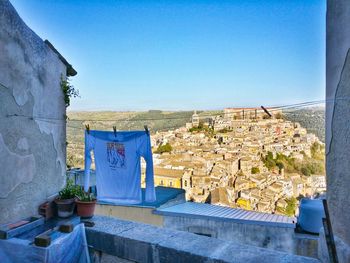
(85, 204)
(66, 199)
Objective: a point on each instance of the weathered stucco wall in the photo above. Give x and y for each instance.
(137, 214)
(271, 237)
(113, 240)
(32, 118)
(338, 119)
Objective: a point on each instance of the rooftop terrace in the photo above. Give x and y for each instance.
(207, 211)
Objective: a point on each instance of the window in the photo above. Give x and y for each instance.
(171, 183)
(185, 183)
(161, 182)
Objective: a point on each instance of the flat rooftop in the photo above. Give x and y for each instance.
(163, 194)
(215, 212)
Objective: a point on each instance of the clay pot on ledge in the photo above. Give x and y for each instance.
(85, 209)
(65, 207)
(66, 199)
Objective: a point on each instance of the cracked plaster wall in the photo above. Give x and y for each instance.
(32, 150)
(338, 117)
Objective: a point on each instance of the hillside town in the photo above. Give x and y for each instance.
(226, 160)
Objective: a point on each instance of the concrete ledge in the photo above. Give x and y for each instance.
(139, 214)
(145, 243)
(343, 250)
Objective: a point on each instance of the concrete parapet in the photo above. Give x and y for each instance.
(132, 241)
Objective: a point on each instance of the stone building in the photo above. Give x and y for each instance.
(168, 177)
(249, 113)
(195, 119)
(32, 118)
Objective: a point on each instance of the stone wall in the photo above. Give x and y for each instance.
(277, 238)
(113, 240)
(338, 116)
(32, 118)
(266, 236)
(337, 121)
(133, 213)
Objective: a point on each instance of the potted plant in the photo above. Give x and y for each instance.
(85, 204)
(66, 199)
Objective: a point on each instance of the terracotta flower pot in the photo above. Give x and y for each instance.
(85, 209)
(65, 207)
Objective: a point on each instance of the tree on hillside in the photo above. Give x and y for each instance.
(291, 206)
(269, 161)
(317, 151)
(255, 170)
(278, 115)
(164, 148)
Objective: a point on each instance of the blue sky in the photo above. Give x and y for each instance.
(178, 55)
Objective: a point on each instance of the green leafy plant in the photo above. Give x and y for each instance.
(307, 166)
(198, 128)
(69, 191)
(201, 128)
(291, 206)
(224, 130)
(164, 148)
(279, 115)
(68, 90)
(255, 170)
(85, 196)
(318, 151)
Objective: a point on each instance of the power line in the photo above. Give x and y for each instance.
(298, 104)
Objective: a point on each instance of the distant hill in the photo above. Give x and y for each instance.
(155, 119)
(313, 119)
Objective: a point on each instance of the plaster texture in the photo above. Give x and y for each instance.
(145, 243)
(139, 214)
(338, 116)
(337, 45)
(343, 250)
(265, 236)
(337, 122)
(99, 257)
(32, 118)
(338, 165)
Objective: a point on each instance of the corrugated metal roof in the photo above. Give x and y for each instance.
(215, 212)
